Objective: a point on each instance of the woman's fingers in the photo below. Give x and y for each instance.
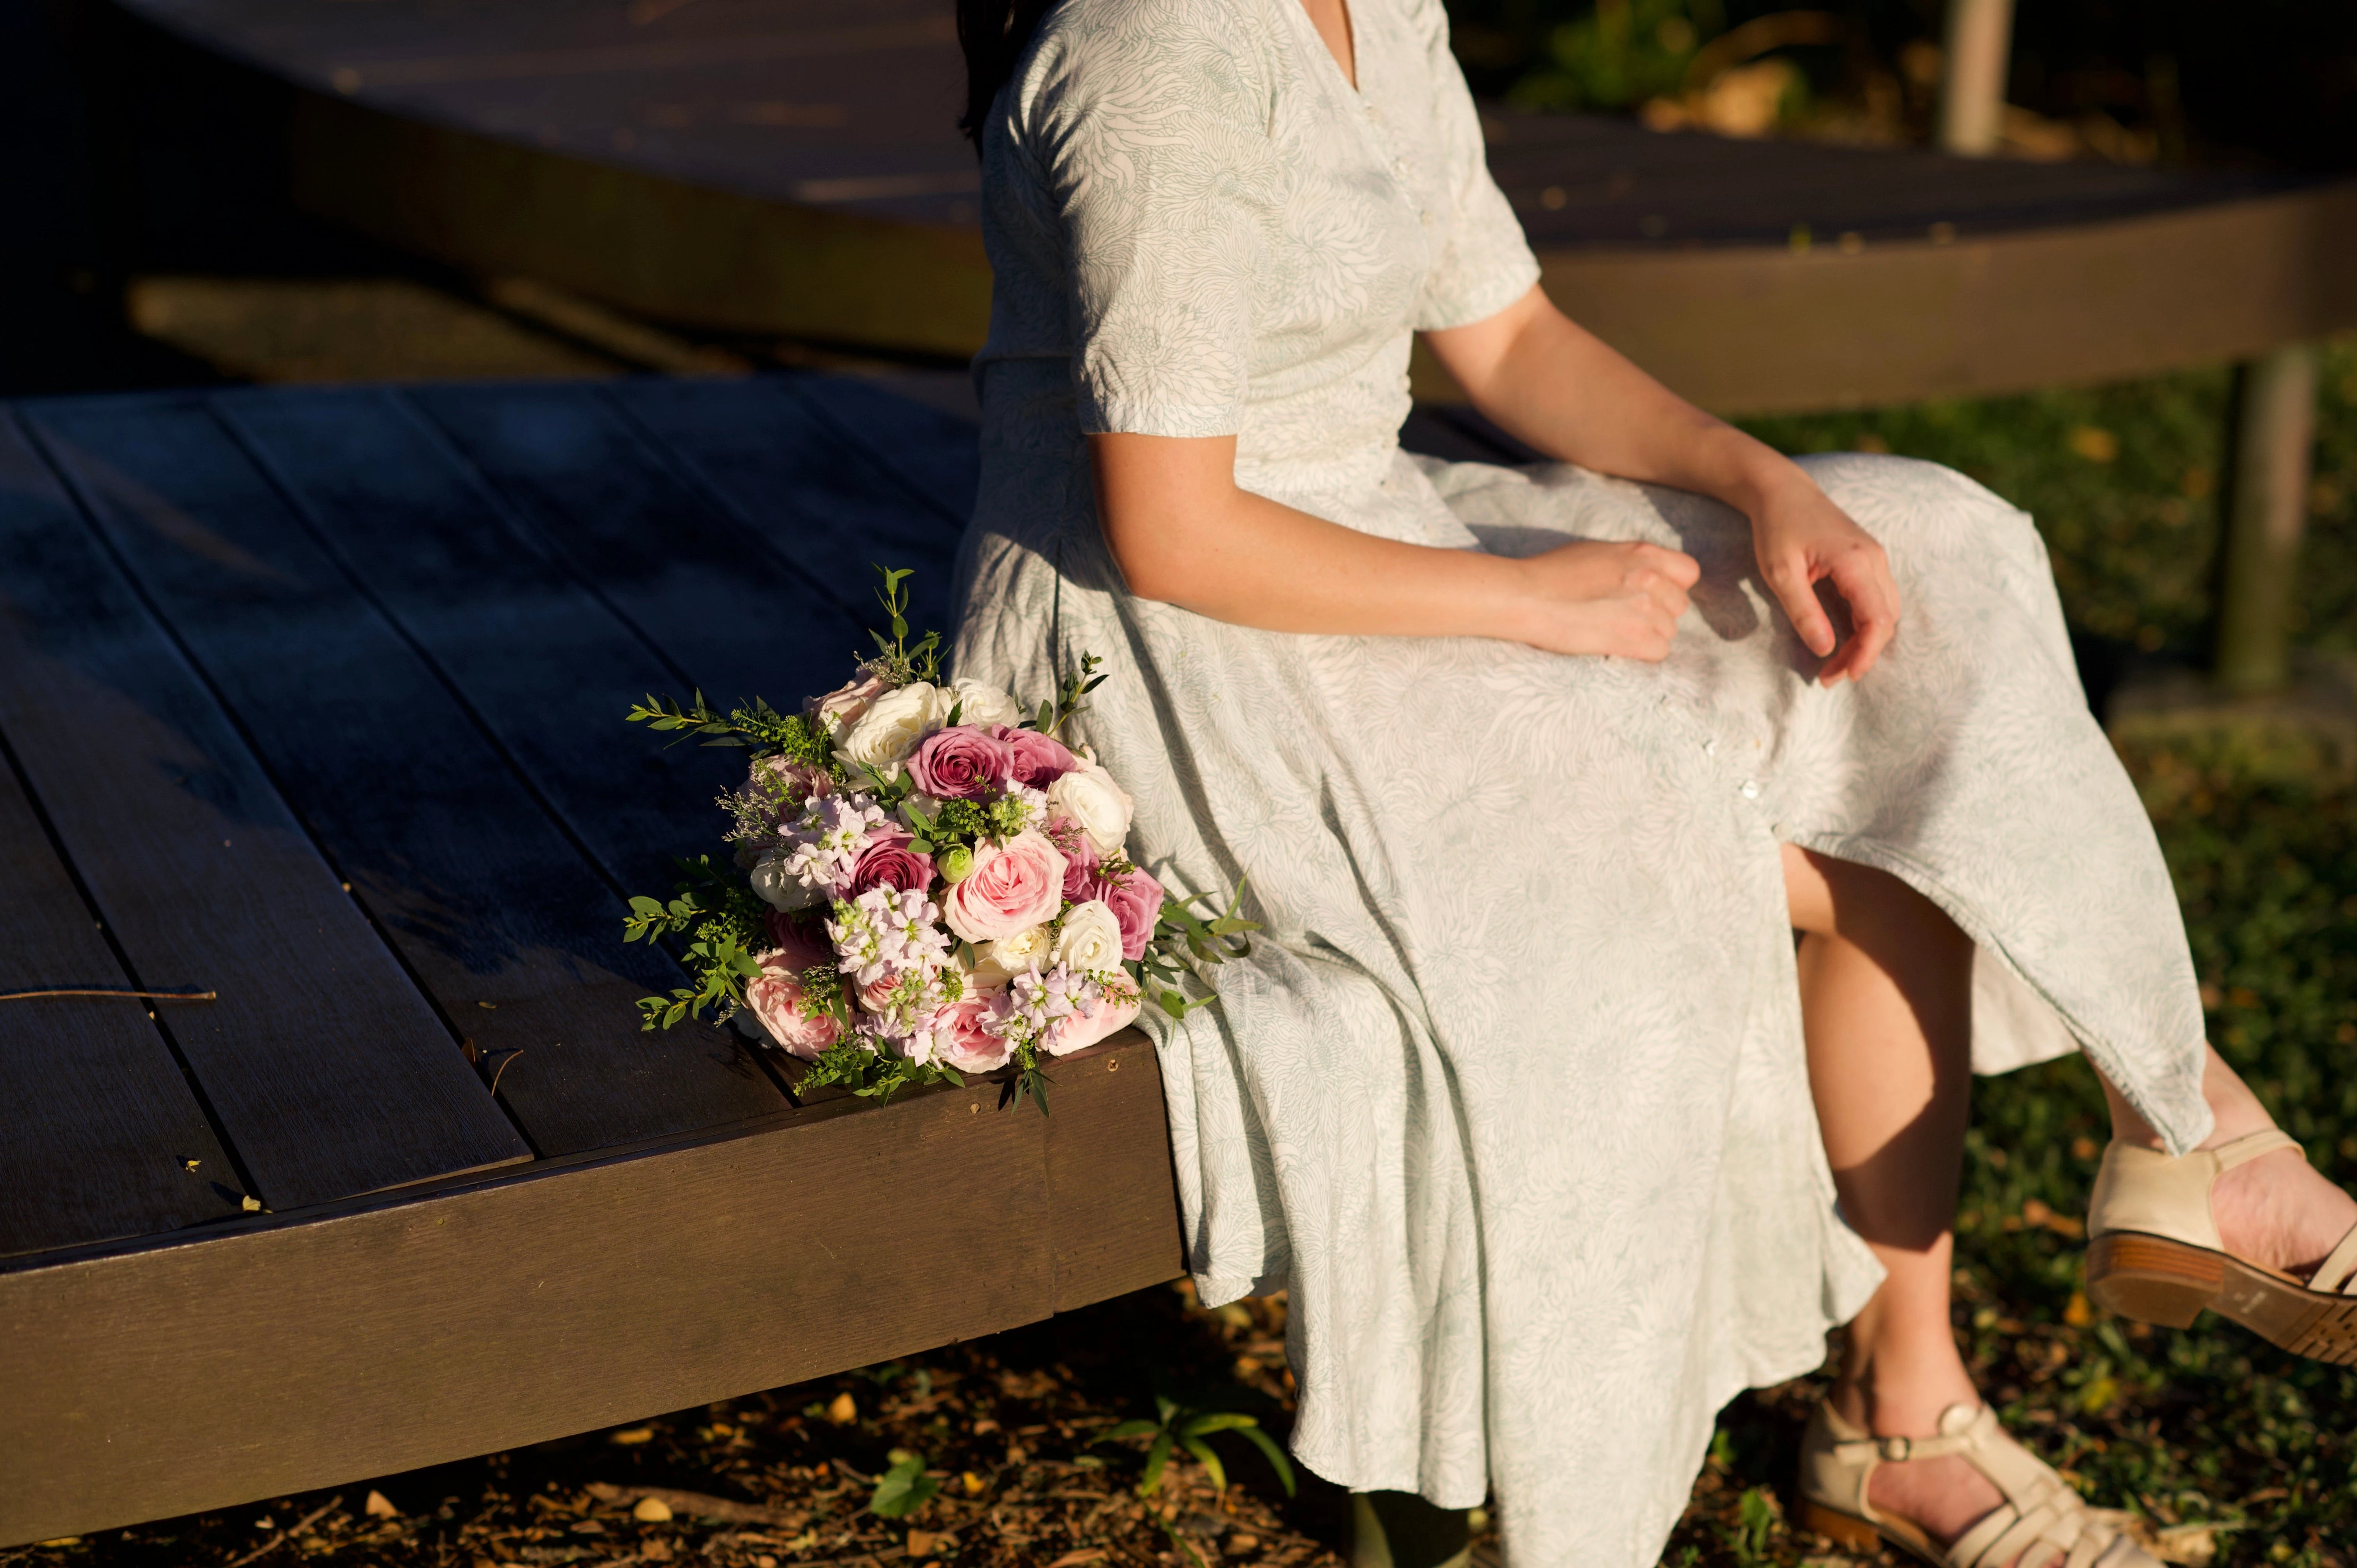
(1794, 585)
(1862, 576)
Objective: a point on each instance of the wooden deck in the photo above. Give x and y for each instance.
(314, 699)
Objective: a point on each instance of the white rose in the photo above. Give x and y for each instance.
(995, 963)
(1089, 942)
(889, 730)
(1088, 796)
(983, 705)
(779, 888)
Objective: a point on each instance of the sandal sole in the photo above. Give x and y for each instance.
(1859, 1535)
(2154, 1278)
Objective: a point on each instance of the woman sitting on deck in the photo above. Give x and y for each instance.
(1525, 1093)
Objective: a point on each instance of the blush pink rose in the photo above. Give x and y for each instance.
(1135, 899)
(846, 704)
(889, 862)
(1011, 888)
(774, 997)
(961, 763)
(960, 1039)
(1081, 1029)
(1038, 759)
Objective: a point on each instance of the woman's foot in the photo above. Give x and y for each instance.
(2281, 1213)
(1944, 1494)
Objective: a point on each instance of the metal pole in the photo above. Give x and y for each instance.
(1973, 72)
(2274, 439)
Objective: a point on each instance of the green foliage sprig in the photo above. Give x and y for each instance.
(728, 924)
(1186, 943)
(1053, 713)
(895, 660)
(1182, 1428)
(904, 1488)
(755, 724)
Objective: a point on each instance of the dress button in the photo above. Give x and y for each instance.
(1750, 790)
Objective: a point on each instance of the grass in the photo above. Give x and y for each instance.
(2204, 1428)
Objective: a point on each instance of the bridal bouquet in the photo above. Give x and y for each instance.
(927, 881)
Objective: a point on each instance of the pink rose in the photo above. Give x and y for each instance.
(1079, 857)
(961, 763)
(1012, 887)
(959, 1040)
(774, 997)
(1038, 759)
(877, 995)
(889, 862)
(1135, 899)
(1087, 1026)
(845, 705)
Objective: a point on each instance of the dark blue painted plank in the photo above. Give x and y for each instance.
(97, 1126)
(327, 1071)
(780, 461)
(499, 914)
(730, 609)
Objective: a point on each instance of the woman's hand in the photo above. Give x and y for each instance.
(1802, 540)
(1590, 597)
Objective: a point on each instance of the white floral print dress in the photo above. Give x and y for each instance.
(1511, 1093)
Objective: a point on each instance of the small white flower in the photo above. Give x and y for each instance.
(889, 730)
(1094, 804)
(983, 705)
(995, 963)
(1090, 941)
(778, 886)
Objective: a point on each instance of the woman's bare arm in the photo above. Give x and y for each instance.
(1184, 532)
(1549, 382)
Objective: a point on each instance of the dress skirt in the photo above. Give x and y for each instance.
(1511, 1093)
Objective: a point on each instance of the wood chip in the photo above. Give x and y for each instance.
(696, 1505)
(652, 1510)
(379, 1505)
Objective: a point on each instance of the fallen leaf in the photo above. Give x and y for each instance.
(975, 1485)
(379, 1505)
(844, 1411)
(920, 1543)
(652, 1510)
(1074, 1559)
(2078, 1314)
(2093, 442)
(633, 1437)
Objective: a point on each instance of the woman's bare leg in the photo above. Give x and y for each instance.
(1886, 1000)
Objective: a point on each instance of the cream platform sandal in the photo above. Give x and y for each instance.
(2154, 1253)
(2042, 1522)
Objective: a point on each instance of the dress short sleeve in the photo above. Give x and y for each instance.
(1484, 263)
(1153, 134)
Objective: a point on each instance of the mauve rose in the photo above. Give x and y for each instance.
(846, 704)
(889, 862)
(1012, 886)
(959, 1040)
(1135, 899)
(1040, 759)
(774, 997)
(780, 785)
(1081, 1030)
(1080, 858)
(961, 763)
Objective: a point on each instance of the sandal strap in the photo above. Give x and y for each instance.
(2338, 1272)
(2249, 1146)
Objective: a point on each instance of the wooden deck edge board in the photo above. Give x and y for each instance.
(1741, 328)
(503, 1311)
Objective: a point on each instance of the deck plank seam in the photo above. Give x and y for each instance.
(877, 460)
(137, 587)
(530, 534)
(238, 1167)
(299, 509)
(691, 473)
(523, 529)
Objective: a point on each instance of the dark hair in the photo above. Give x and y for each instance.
(993, 34)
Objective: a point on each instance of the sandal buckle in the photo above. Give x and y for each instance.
(1895, 1450)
